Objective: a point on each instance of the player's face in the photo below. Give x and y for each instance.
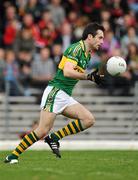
(97, 41)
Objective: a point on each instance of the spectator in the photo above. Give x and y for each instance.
(10, 25)
(130, 37)
(28, 23)
(105, 15)
(106, 25)
(25, 79)
(72, 18)
(44, 2)
(65, 38)
(132, 59)
(43, 69)
(72, 5)
(92, 9)
(110, 42)
(25, 61)
(45, 19)
(24, 58)
(10, 13)
(56, 54)
(47, 36)
(24, 41)
(21, 4)
(122, 24)
(80, 24)
(10, 33)
(105, 18)
(133, 5)
(12, 74)
(118, 8)
(57, 11)
(35, 8)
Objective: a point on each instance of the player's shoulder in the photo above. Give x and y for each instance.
(74, 48)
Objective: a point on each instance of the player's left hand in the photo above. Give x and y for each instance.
(95, 77)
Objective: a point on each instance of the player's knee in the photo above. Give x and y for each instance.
(90, 121)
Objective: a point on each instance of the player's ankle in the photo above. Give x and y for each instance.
(13, 156)
(54, 137)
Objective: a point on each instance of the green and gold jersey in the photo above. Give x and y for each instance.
(75, 53)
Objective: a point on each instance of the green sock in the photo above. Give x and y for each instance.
(26, 142)
(73, 127)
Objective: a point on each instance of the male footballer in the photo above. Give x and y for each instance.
(57, 97)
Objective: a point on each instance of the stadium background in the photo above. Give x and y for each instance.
(33, 35)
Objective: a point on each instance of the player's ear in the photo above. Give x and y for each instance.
(90, 36)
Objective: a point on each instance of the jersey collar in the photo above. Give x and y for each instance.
(84, 48)
(82, 45)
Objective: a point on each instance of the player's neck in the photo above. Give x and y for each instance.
(87, 47)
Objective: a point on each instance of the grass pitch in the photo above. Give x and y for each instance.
(74, 165)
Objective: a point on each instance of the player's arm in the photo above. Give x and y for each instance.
(69, 71)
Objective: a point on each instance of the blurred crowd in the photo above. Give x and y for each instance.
(35, 33)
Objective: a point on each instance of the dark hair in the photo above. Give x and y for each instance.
(92, 29)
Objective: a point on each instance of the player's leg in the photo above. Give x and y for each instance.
(83, 120)
(47, 117)
(66, 105)
(45, 124)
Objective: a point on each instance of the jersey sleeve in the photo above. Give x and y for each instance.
(72, 54)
